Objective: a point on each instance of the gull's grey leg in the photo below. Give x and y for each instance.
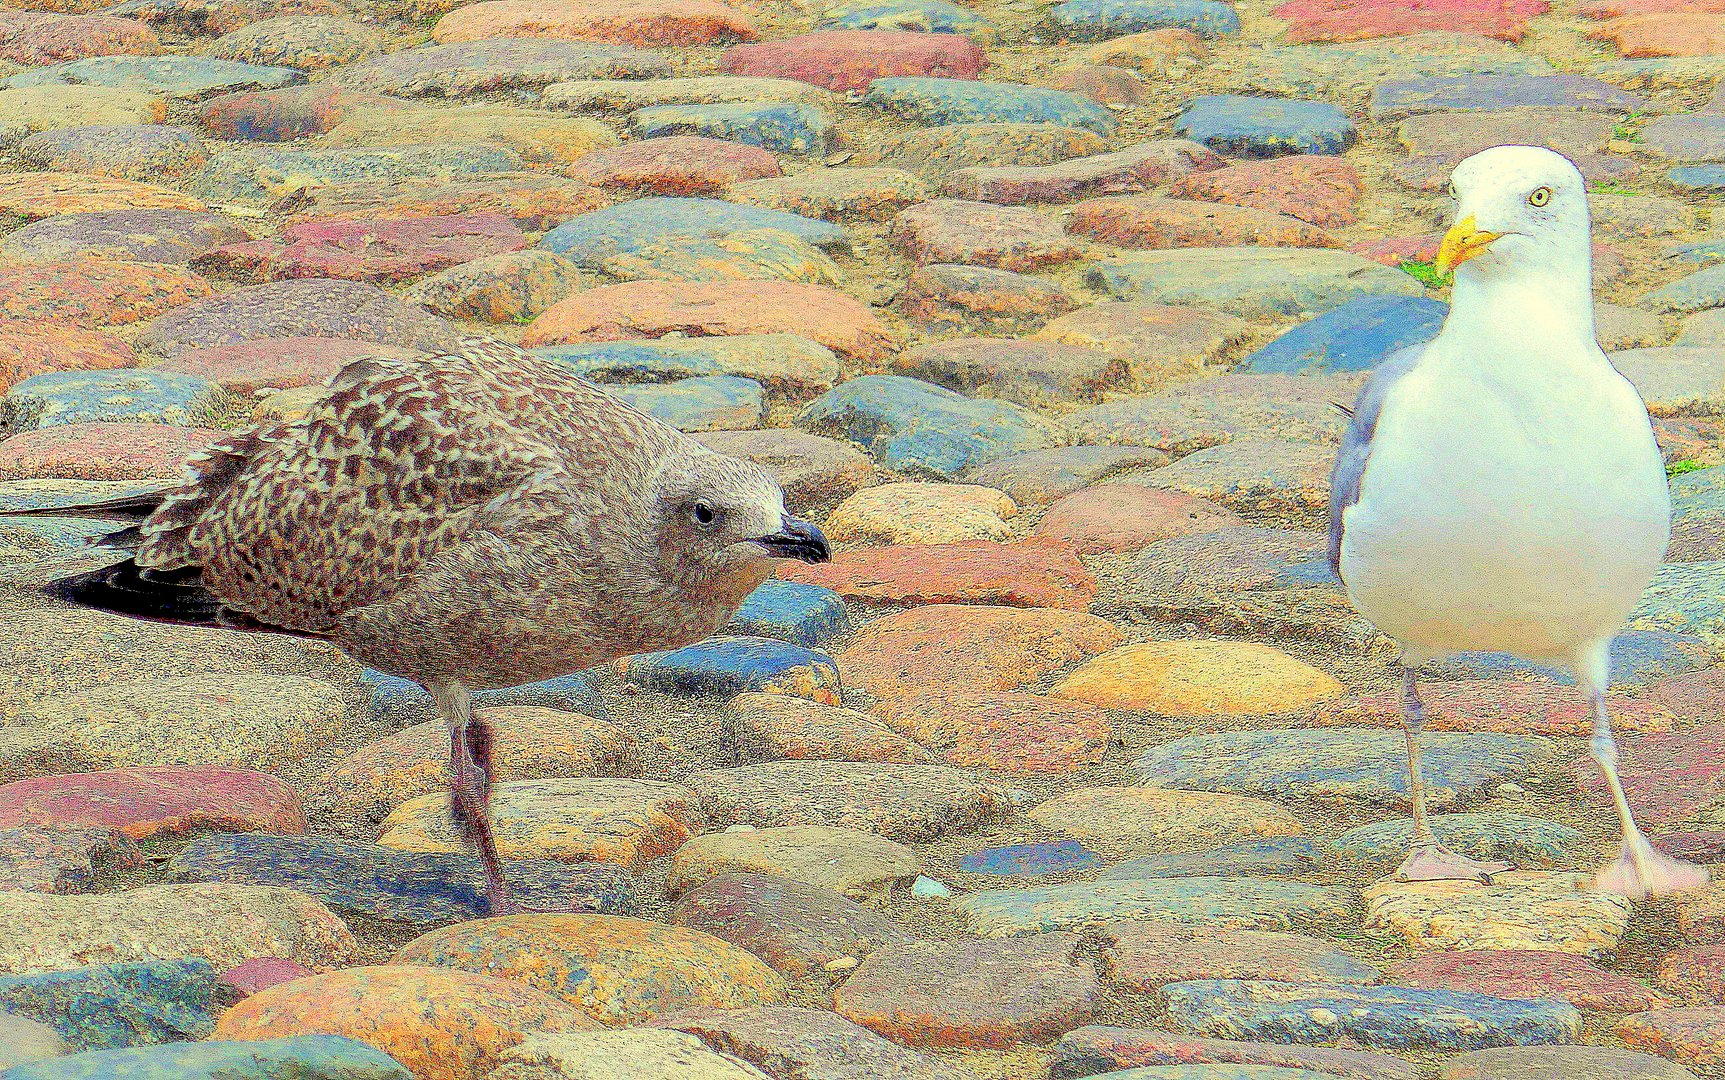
(1641, 869)
(470, 785)
(1429, 860)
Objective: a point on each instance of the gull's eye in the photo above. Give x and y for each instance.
(1452, 191)
(703, 514)
(1540, 197)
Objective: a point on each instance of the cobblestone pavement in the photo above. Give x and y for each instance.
(1073, 762)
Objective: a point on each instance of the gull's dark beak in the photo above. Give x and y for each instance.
(797, 539)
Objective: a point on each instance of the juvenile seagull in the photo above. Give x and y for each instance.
(1499, 487)
(472, 520)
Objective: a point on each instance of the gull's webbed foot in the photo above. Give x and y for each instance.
(1434, 862)
(1643, 870)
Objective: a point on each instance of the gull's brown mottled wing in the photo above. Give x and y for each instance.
(402, 460)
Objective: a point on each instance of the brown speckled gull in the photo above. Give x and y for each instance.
(470, 520)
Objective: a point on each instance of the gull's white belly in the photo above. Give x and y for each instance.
(1530, 526)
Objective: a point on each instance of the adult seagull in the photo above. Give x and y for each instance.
(1498, 486)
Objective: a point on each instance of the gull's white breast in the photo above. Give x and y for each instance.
(1506, 506)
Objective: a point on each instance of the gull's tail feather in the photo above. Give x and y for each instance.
(126, 539)
(138, 504)
(126, 588)
(170, 596)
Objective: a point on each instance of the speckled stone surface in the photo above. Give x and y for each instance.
(1245, 903)
(443, 1024)
(1128, 821)
(224, 720)
(413, 887)
(477, 66)
(769, 727)
(398, 699)
(922, 513)
(317, 1057)
(311, 308)
(222, 924)
(93, 292)
(997, 648)
(786, 126)
(619, 970)
(530, 742)
(1390, 1016)
(172, 76)
(62, 860)
(576, 820)
(175, 233)
(105, 397)
(132, 1004)
(1193, 679)
(964, 101)
(1145, 956)
(590, 238)
(653, 1051)
(918, 428)
(1691, 1035)
(729, 666)
(62, 648)
(901, 802)
(1030, 860)
(1518, 838)
(1334, 764)
(1251, 281)
(1090, 1050)
(147, 802)
(1525, 973)
(974, 993)
(813, 1042)
(1044, 313)
(1638, 657)
(1522, 910)
(1560, 1063)
(784, 363)
(845, 860)
(1265, 127)
(1288, 856)
(797, 928)
(1026, 574)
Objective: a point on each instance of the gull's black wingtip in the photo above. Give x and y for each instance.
(126, 588)
(168, 596)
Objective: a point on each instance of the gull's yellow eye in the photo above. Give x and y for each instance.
(1540, 197)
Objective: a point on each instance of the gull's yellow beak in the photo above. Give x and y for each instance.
(1461, 243)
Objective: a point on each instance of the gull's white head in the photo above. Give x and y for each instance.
(1518, 208)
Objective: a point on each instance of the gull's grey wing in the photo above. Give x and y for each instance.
(1357, 441)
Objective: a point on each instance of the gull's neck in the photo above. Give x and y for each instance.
(1544, 309)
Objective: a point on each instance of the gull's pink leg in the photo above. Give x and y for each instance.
(1429, 860)
(470, 787)
(479, 752)
(1641, 870)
